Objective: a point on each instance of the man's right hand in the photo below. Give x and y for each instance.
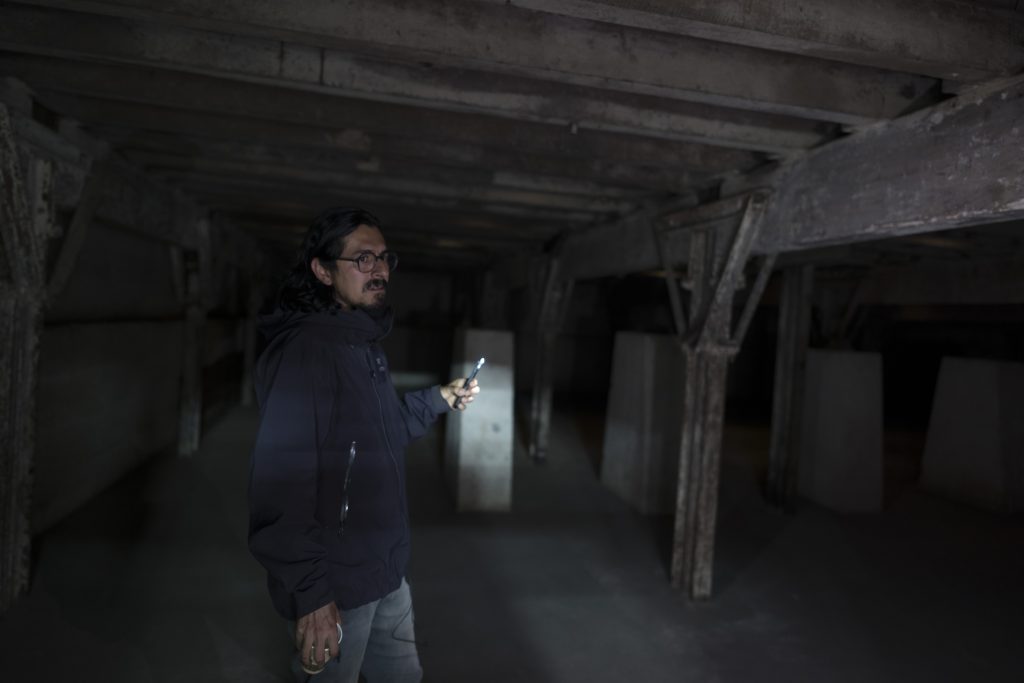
(316, 636)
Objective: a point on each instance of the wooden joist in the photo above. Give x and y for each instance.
(495, 38)
(941, 38)
(185, 102)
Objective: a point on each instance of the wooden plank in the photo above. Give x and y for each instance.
(940, 38)
(229, 193)
(504, 40)
(788, 390)
(338, 122)
(466, 186)
(227, 138)
(957, 164)
(30, 30)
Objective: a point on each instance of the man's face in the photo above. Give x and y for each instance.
(353, 288)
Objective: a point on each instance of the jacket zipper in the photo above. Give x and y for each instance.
(383, 425)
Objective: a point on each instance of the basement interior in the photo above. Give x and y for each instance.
(748, 279)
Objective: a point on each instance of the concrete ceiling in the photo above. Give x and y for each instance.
(479, 130)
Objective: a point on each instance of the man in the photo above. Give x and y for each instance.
(332, 530)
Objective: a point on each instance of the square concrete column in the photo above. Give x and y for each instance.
(478, 442)
(975, 447)
(841, 442)
(643, 428)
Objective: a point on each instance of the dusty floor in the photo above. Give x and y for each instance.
(152, 582)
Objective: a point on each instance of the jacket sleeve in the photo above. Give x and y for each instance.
(420, 409)
(284, 534)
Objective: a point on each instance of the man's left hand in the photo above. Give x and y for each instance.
(453, 391)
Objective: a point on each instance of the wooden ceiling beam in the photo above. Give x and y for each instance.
(295, 145)
(343, 122)
(220, 192)
(954, 165)
(499, 39)
(219, 171)
(957, 164)
(47, 32)
(939, 38)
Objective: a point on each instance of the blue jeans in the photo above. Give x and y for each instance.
(379, 642)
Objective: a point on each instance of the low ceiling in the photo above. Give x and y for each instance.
(481, 129)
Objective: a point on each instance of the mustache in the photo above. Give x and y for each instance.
(376, 284)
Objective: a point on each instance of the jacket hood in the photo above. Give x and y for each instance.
(355, 326)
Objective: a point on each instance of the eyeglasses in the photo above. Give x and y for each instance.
(366, 261)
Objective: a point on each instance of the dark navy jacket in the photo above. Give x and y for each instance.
(322, 383)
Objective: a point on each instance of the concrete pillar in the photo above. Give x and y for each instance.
(975, 447)
(640, 461)
(478, 442)
(841, 445)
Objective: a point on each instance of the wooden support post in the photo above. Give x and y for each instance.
(25, 207)
(554, 303)
(714, 275)
(190, 425)
(787, 397)
(249, 342)
(700, 451)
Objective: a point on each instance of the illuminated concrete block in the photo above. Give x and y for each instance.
(644, 421)
(841, 441)
(975, 447)
(478, 442)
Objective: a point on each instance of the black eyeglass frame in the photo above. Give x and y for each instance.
(365, 265)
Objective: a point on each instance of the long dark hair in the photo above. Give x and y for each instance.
(325, 240)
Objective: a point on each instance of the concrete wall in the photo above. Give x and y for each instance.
(111, 364)
(108, 398)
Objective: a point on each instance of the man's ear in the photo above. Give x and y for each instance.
(321, 273)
